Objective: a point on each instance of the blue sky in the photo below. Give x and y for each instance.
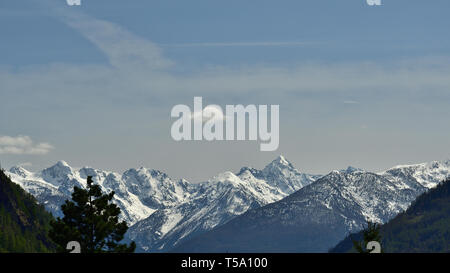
(94, 85)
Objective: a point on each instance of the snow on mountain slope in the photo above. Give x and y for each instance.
(426, 174)
(164, 213)
(139, 193)
(170, 210)
(217, 201)
(317, 216)
(155, 188)
(283, 176)
(376, 197)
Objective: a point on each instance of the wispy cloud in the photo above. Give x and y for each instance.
(122, 47)
(133, 97)
(237, 44)
(23, 145)
(139, 66)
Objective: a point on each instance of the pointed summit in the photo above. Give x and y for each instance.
(351, 169)
(281, 174)
(280, 161)
(62, 163)
(19, 170)
(60, 170)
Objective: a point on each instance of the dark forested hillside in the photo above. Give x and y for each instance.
(424, 227)
(23, 223)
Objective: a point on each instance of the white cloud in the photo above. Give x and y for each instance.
(22, 145)
(122, 47)
(210, 112)
(140, 68)
(140, 75)
(237, 44)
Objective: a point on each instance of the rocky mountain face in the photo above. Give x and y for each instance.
(139, 192)
(163, 212)
(217, 201)
(277, 208)
(321, 214)
(422, 228)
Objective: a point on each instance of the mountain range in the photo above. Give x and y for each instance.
(139, 192)
(318, 216)
(243, 211)
(163, 212)
(423, 228)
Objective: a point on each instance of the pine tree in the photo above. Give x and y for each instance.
(91, 220)
(371, 233)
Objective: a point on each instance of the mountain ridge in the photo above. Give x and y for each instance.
(163, 213)
(320, 214)
(142, 192)
(217, 200)
(423, 227)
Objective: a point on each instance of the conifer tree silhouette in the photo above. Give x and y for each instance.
(91, 220)
(371, 233)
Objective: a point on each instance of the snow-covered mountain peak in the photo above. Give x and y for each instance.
(279, 166)
(113, 181)
(225, 177)
(280, 162)
(158, 174)
(445, 164)
(88, 171)
(337, 178)
(426, 174)
(62, 163)
(346, 177)
(281, 174)
(168, 211)
(246, 173)
(253, 171)
(139, 192)
(145, 173)
(351, 169)
(97, 175)
(57, 172)
(20, 171)
(112, 176)
(425, 165)
(216, 201)
(174, 208)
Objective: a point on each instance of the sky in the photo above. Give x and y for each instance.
(94, 85)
